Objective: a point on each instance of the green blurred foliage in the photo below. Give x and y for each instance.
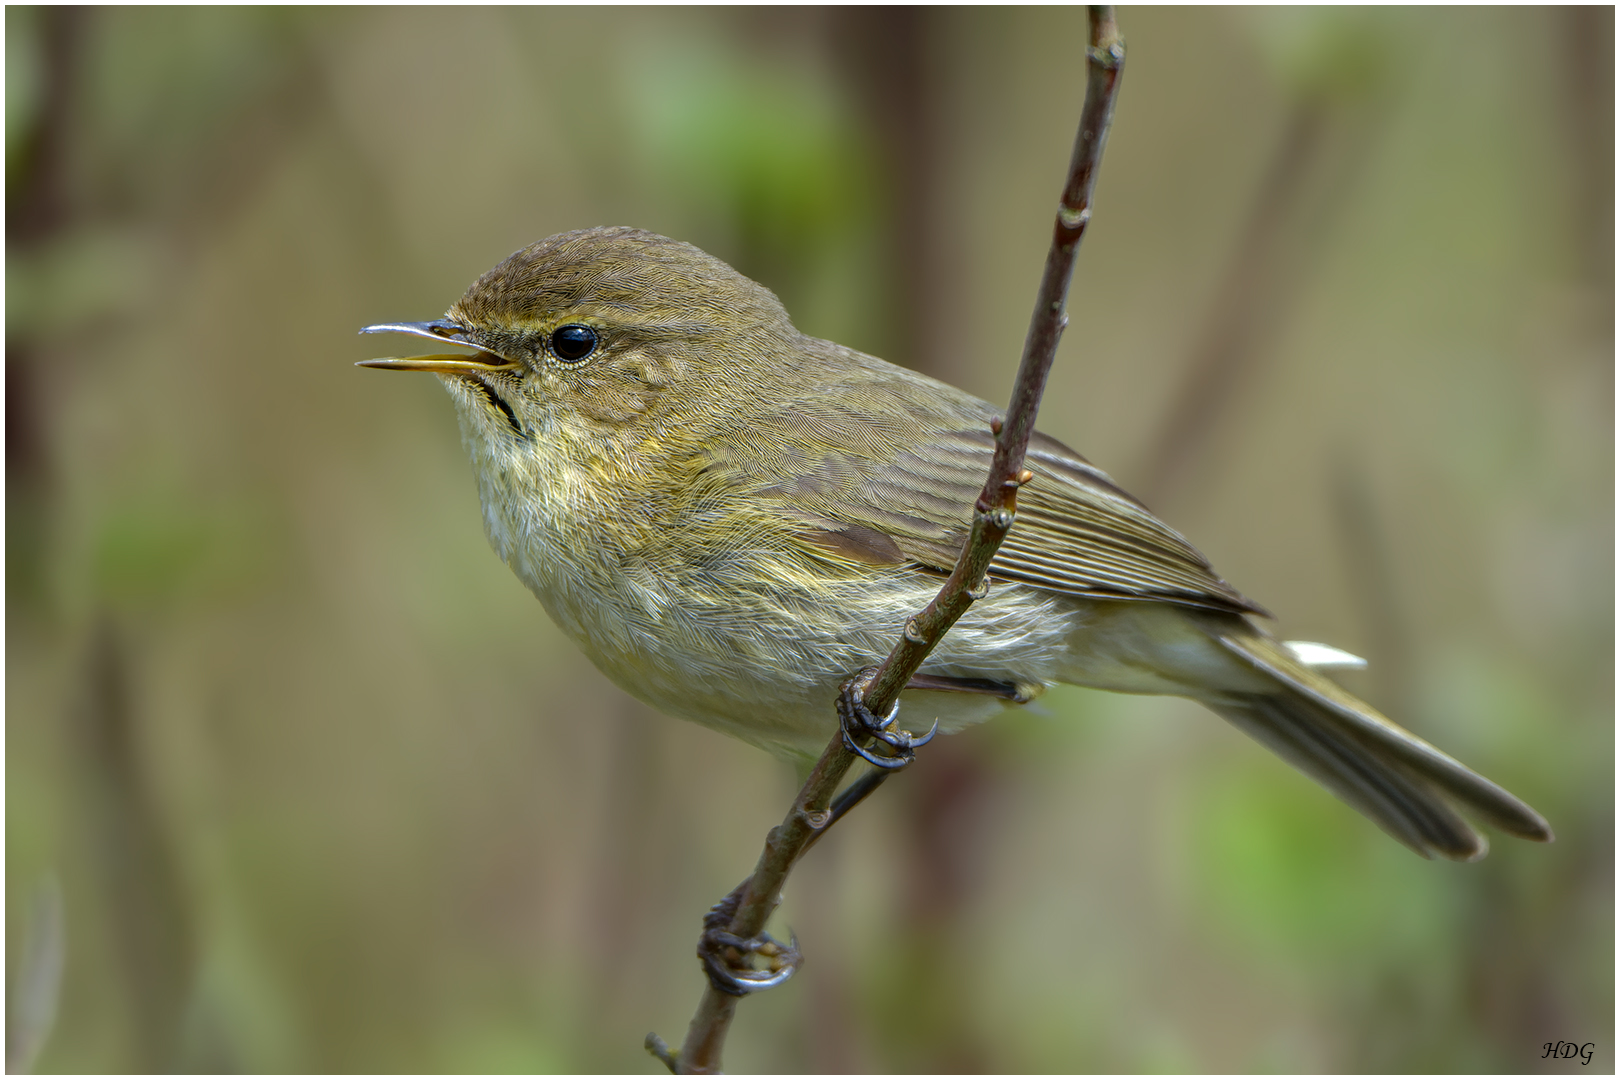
(1285, 873)
(1334, 51)
(325, 791)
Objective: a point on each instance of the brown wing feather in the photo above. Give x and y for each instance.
(1077, 532)
(865, 444)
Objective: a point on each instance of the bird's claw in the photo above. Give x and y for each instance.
(737, 978)
(727, 958)
(857, 724)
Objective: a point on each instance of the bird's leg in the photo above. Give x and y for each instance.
(728, 959)
(858, 724)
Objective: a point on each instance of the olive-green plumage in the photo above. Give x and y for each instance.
(731, 518)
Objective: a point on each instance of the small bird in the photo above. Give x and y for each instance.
(732, 518)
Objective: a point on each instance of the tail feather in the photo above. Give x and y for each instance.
(1405, 807)
(1392, 776)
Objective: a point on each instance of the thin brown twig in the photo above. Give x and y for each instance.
(993, 517)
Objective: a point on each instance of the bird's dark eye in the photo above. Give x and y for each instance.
(573, 343)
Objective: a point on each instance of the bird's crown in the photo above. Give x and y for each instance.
(629, 276)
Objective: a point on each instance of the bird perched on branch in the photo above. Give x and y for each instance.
(731, 518)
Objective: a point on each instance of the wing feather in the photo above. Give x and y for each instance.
(1077, 531)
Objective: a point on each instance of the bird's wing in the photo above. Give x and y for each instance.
(1076, 531)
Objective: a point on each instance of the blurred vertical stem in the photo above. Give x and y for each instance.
(1245, 307)
(993, 516)
(136, 868)
(1589, 62)
(892, 56)
(37, 210)
(883, 52)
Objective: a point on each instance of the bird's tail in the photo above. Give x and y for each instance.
(1395, 778)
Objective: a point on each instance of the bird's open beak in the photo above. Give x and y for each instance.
(443, 363)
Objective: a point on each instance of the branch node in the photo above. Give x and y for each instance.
(979, 591)
(659, 1049)
(912, 634)
(1111, 57)
(1072, 219)
(1001, 518)
(995, 426)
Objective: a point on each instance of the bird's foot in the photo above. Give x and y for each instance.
(858, 724)
(728, 960)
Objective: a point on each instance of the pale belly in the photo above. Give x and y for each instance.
(765, 667)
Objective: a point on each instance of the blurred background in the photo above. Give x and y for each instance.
(299, 777)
